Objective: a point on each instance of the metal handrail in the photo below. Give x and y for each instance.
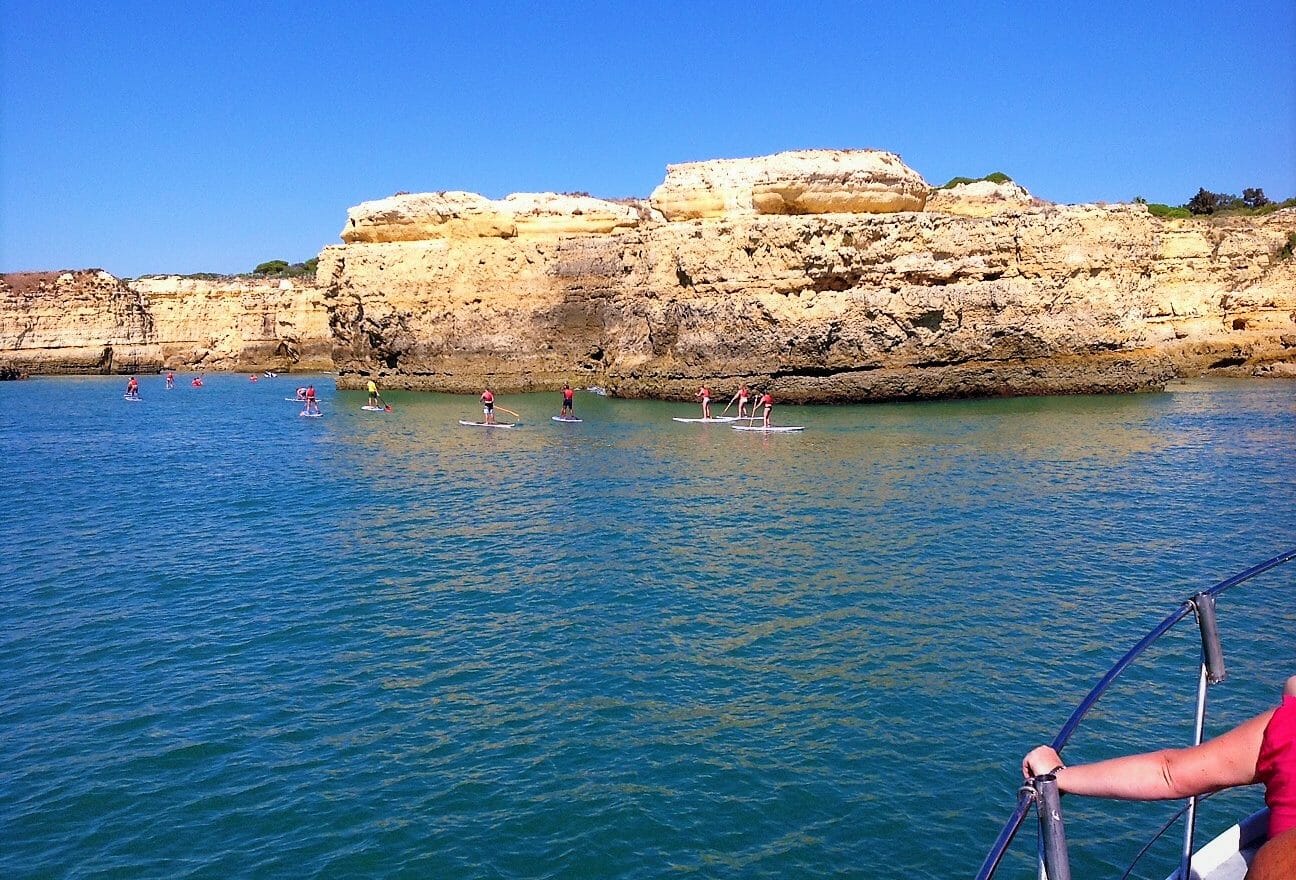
(1025, 796)
(1169, 823)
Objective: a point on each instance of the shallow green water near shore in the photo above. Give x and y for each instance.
(239, 643)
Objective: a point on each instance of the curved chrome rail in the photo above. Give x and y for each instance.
(1212, 670)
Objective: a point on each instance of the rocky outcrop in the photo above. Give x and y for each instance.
(714, 285)
(458, 215)
(239, 323)
(91, 322)
(84, 321)
(819, 275)
(799, 182)
(980, 198)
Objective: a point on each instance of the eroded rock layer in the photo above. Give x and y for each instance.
(824, 307)
(91, 322)
(819, 275)
(797, 182)
(84, 321)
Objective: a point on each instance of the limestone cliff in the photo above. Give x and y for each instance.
(239, 323)
(88, 321)
(822, 275)
(980, 198)
(798, 182)
(83, 321)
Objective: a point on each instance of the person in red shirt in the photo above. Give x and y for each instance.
(1261, 749)
(767, 401)
(488, 406)
(742, 395)
(132, 388)
(568, 411)
(705, 393)
(312, 405)
(170, 380)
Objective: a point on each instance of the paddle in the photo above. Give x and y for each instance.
(509, 411)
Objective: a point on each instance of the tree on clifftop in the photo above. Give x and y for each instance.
(1255, 198)
(272, 267)
(284, 269)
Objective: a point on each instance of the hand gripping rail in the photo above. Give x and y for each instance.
(1042, 791)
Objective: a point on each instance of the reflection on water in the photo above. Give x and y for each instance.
(389, 645)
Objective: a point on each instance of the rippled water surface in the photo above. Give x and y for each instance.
(239, 643)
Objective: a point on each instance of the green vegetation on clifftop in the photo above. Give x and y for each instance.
(993, 177)
(1252, 203)
(284, 269)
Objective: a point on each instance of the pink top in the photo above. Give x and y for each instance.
(1276, 767)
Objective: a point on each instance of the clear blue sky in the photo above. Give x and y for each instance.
(176, 137)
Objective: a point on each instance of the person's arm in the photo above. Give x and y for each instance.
(1223, 762)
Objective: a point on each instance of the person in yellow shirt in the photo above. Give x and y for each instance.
(373, 393)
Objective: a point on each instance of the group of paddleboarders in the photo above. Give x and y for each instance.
(132, 386)
(567, 412)
(742, 397)
(305, 394)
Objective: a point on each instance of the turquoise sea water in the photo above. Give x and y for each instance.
(239, 643)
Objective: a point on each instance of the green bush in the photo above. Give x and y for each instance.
(993, 177)
(284, 269)
(1253, 203)
(1270, 207)
(271, 267)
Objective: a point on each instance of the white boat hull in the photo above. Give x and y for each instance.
(1228, 856)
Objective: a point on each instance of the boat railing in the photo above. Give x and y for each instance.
(1041, 792)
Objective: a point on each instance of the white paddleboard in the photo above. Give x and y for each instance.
(306, 415)
(135, 399)
(374, 408)
(469, 424)
(774, 429)
(712, 419)
(295, 399)
(564, 419)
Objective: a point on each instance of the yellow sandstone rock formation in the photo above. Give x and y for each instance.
(799, 182)
(84, 321)
(239, 323)
(457, 215)
(92, 322)
(817, 275)
(980, 198)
